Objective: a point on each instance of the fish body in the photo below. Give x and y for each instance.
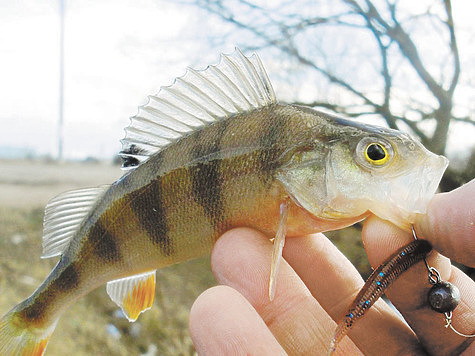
(212, 152)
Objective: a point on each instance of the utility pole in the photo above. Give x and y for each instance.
(61, 80)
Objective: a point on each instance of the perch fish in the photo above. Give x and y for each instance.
(214, 151)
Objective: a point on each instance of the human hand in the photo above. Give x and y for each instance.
(316, 283)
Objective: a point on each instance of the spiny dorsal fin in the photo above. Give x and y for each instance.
(63, 215)
(133, 294)
(237, 84)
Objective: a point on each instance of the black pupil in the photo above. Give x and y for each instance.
(375, 152)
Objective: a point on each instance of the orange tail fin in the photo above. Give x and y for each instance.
(17, 338)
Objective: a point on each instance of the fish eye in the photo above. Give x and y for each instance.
(373, 152)
(376, 153)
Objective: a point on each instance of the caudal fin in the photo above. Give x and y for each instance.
(17, 338)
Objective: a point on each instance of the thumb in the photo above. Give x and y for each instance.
(450, 224)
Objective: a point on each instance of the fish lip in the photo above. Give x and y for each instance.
(432, 171)
(419, 195)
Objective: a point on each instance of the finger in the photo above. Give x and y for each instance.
(450, 224)
(222, 322)
(409, 292)
(241, 259)
(334, 282)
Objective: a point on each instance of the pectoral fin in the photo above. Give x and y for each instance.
(133, 294)
(279, 242)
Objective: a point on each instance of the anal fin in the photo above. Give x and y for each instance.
(279, 242)
(134, 294)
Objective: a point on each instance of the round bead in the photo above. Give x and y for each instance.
(443, 297)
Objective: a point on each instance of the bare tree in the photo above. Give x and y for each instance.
(414, 56)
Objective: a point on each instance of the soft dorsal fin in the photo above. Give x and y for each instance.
(63, 215)
(237, 84)
(133, 294)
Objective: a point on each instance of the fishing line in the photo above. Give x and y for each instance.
(443, 297)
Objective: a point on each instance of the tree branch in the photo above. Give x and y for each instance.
(465, 119)
(405, 44)
(288, 47)
(453, 47)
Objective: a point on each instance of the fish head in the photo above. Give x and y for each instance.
(365, 168)
(384, 171)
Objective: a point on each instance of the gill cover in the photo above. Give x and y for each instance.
(305, 180)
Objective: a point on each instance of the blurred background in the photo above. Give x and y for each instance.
(72, 72)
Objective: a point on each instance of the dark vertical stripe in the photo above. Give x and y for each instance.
(271, 151)
(35, 312)
(68, 279)
(103, 242)
(206, 182)
(35, 308)
(205, 174)
(146, 203)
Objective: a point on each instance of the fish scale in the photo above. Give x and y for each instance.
(211, 152)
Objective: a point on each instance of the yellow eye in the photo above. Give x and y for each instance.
(376, 154)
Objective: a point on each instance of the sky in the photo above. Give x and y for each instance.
(116, 53)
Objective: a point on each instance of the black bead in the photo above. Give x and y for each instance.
(443, 297)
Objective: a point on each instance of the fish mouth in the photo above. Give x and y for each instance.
(411, 193)
(430, 174)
